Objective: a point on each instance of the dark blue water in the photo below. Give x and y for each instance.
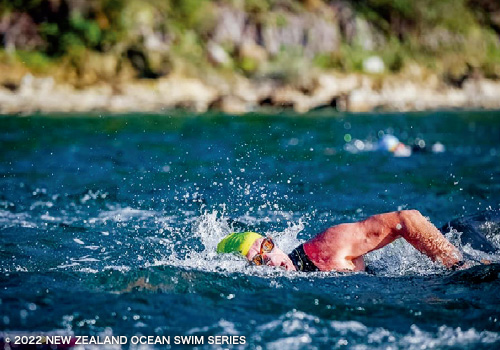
(108, 225)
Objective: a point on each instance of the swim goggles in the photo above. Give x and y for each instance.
(266, 246)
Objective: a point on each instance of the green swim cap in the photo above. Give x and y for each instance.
(238, 243)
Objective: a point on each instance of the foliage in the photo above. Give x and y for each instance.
(36, 61)
(448, 36)
(257, 6)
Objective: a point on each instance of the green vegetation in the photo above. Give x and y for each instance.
(151, 38)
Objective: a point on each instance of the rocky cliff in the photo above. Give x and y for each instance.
(118, 55)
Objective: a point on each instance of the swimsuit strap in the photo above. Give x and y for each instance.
(301, 261)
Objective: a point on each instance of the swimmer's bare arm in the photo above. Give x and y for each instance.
(342, 247)
(380, 230)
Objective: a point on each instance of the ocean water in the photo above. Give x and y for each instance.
(108, 226)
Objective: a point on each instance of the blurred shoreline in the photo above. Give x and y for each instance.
(348, 92)
(242, 56)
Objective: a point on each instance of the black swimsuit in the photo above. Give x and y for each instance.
(301, 261)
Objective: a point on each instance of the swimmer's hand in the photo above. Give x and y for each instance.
(462, 265)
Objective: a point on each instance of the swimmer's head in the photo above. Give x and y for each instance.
(251, 244)
(388, 143)
(238, 243)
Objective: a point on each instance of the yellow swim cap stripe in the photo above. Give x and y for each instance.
(239, 242)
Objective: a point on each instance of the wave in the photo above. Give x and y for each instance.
(299, 330)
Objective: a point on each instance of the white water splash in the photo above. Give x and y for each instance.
(287, 239)
(299, 330)
(295, 328)
(455, 237)
(77, 240)
(491, 230)
(399, 259)
(211, 227)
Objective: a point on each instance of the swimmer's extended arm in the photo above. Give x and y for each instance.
(342, 247)
(415, 229)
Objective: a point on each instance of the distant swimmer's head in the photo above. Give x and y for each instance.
(257, 249)
(388, 143)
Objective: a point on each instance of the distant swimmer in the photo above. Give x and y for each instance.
(342, 247)
(390, 143)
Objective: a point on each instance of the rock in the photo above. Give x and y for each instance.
(482, 92)
(217, 55)
(356, 93)
(93, 68)
(252, 51)
(244, 90)
(373, 65)
(145, 27)
(141, 60)
(282, 29)
(230, 104)
(330, 86)
(30, 85)
(323, 35)
(256, 92)
(19, 31)
(138, 96)
(310, 33)
(364, 34)
(179, 90)
(289, 97)
(104, 65)
(231, 25)
(362, 100)
(159, 63)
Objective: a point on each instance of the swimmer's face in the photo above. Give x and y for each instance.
(276, 257)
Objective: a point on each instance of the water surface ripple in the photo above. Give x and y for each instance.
(108, 225)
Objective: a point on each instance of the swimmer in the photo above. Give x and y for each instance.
(390, 143)
(342, 247)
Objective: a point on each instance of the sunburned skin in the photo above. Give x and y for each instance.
(341, 247)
